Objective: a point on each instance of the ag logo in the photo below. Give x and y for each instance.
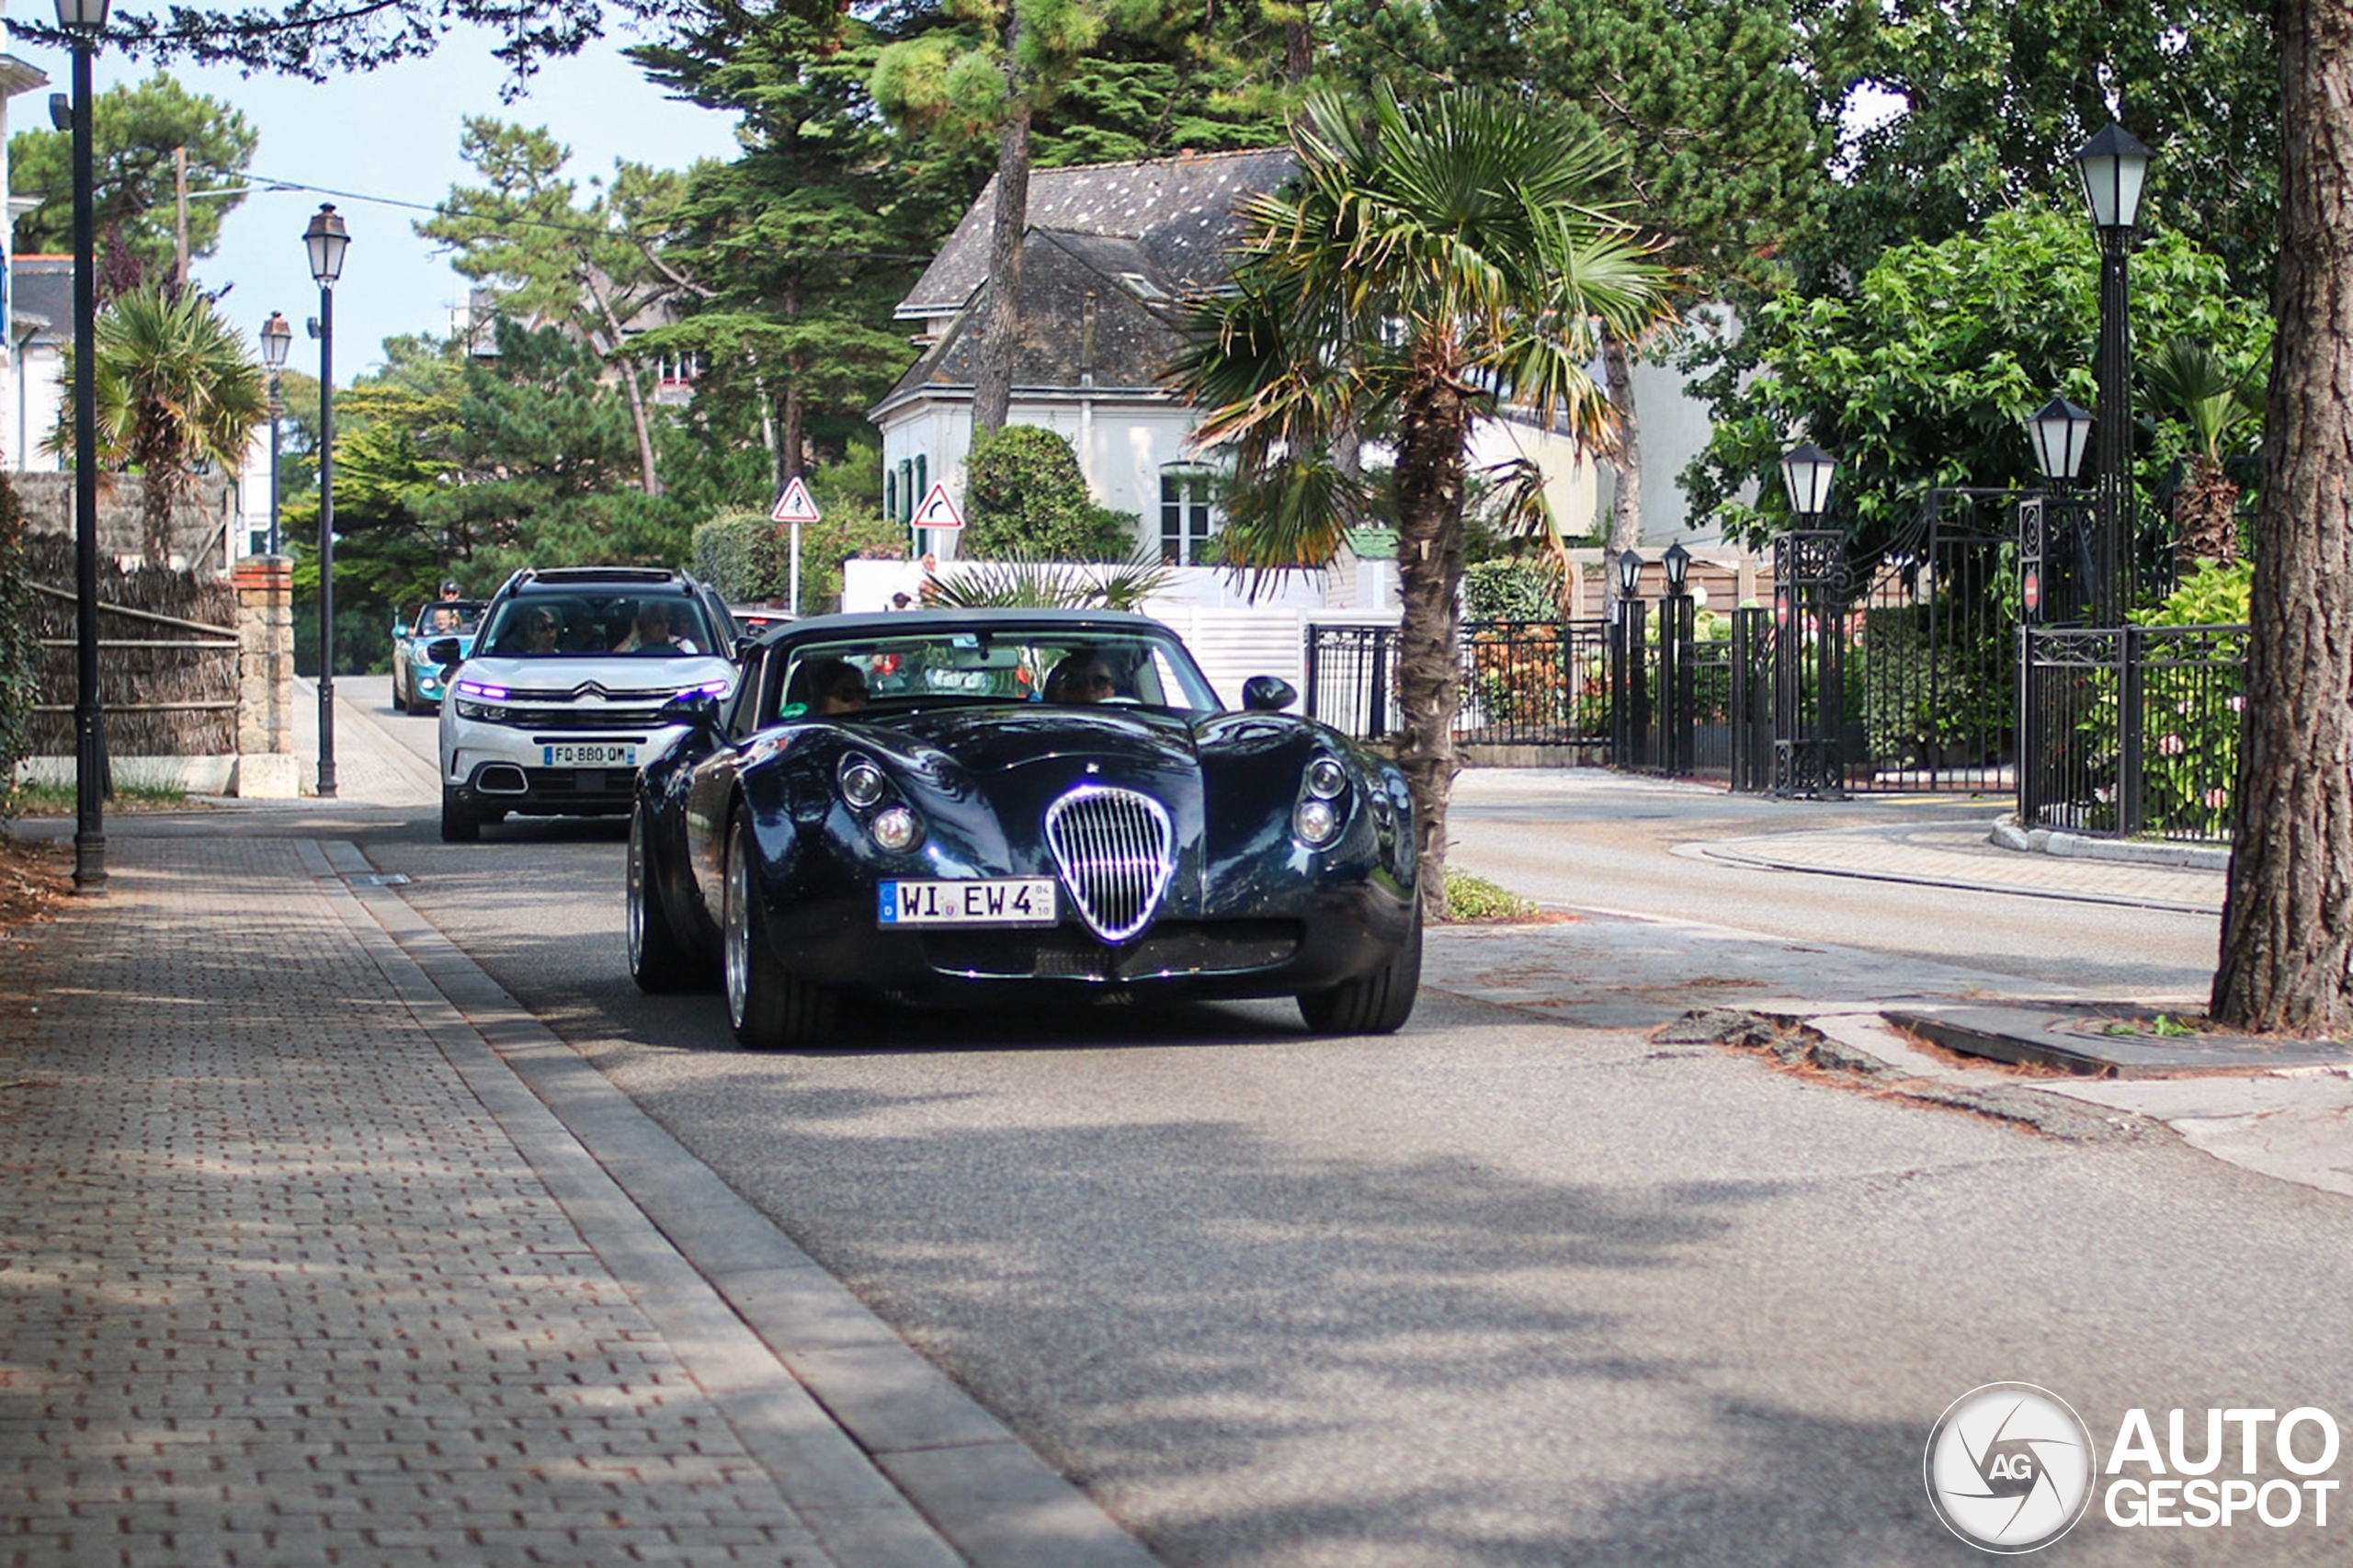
(2009, 1468)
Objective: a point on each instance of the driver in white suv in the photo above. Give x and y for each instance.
(564, 695)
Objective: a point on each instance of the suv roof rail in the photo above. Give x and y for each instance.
(600, 574)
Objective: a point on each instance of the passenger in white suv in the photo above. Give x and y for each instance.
(562, 696)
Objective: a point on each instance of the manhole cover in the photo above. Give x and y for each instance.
(380, 880)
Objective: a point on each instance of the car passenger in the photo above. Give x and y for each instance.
(651, 634)
(1083, 676)
(540, 631)
(826, 687)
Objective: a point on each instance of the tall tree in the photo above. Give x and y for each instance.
(178, 386)
(592, 268)
(1434, 262)
(2287, 954)
(134, 130)
(1718, 137)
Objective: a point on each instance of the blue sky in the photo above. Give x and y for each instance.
(393, 133)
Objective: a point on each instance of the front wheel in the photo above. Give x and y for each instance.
(459, 824)
(768, 1008)
(1380, 1003)
(660, 959)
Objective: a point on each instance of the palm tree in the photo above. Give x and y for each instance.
(176, 387)
(2214, 399)
(1430, 263)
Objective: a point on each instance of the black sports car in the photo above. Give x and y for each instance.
(959, 806)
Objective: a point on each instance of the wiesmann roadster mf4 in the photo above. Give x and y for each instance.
(948, 807)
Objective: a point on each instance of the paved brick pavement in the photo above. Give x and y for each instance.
(276, 1288)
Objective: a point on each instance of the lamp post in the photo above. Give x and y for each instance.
(1809, 670)
(85, 21)
(1630, 714)
(326, 239)
(276, 337)
(1676, 623)
(2113, 165)
(2059, 432)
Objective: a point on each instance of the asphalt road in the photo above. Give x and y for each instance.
(1494, 1291)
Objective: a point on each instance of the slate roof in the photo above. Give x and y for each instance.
(41, 289)
(1136, 236)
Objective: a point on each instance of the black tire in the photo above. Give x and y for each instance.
(460, 823)
(767, 1006)
(414, 703)
(661, 961)
(1380, 1003)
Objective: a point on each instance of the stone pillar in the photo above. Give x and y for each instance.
(265, 764)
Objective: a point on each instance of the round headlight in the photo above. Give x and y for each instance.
(861, 782)
(895, 829)
(1315, 821)
(1326, 779)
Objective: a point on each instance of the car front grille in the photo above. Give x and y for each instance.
(583, 718)
(1115, 850)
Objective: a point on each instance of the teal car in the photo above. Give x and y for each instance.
(416, 679)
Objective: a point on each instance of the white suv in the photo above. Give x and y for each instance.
(562, 698)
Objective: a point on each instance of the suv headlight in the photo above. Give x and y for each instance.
(487, 713)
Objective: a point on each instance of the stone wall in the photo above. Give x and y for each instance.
(199, 522)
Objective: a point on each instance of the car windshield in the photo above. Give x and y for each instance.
(1063, 666)
(574, 626)
(448, 617)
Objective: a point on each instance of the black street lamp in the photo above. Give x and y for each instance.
(2113, 165)
(276, 337)
(85, 21)
(1805, 471)
(1676, 563)
(1629, 573)
(2060, 432)
(327, 239)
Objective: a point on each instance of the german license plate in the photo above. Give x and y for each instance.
(996, 901)
(591, 753)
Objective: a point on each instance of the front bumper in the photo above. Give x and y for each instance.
(1319, 939)
(506, 768)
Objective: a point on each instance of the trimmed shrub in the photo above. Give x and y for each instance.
(1512, 590)
(1024, 495)
(739, 554)
(19, 688)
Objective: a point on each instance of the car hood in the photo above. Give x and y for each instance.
(616, 674)
(992, 740)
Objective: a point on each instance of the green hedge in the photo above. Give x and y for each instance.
(18, 690)
(743, 555)
(1024, 496)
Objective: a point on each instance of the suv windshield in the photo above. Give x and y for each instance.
(448, 617)
(577, 625)
(1043, 665)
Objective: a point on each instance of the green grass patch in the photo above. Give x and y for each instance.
(60, 800)
(1476, 900)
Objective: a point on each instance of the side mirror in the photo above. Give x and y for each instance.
(696, 709)
(1267, 694)
(443, 650)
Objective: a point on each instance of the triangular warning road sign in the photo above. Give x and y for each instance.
(937, 511)
(796, 505)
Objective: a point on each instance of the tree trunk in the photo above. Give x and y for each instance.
(794, 457)
(156, 494)
(993, 372)
(1299, 49)
(1433, 427)
(2288, 918)
(649, 475)
(2205, 514)
(768, 439)
(1626, 502)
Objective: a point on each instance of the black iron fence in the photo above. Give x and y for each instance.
(2131, 732)
(1525, 685)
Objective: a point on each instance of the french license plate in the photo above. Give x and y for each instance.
(589, 754)
(997, 900)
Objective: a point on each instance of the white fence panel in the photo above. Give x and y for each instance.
(1232, 645)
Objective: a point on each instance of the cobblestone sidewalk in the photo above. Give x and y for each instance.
(276, 1288)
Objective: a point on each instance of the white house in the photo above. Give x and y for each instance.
(21, 425)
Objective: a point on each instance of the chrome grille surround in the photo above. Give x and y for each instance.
(1114, 850)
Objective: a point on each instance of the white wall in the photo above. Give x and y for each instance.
(1121, 443)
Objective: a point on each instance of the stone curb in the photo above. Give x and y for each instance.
(864, 1426)
(2081, 846)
